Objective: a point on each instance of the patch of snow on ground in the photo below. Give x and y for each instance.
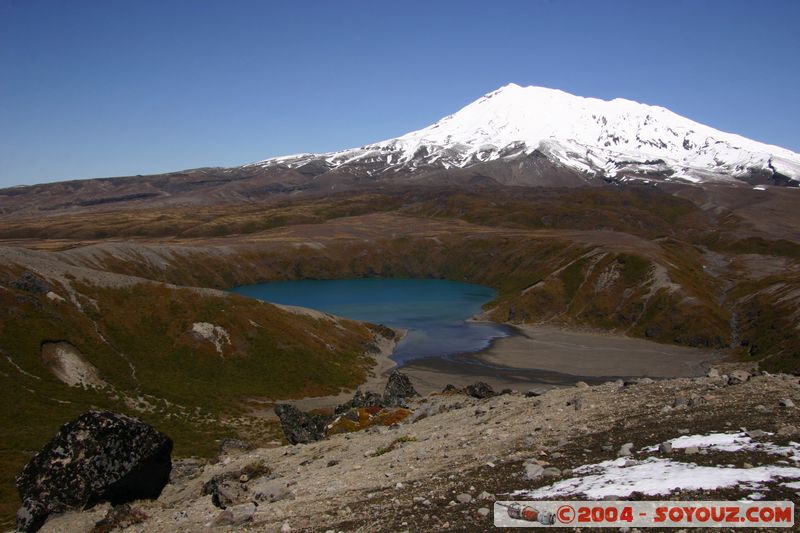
(731, 442)
(53, 297)
(661, 476)
(656, 476)
(726, 442)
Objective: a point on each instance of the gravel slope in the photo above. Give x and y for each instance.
(455, 445)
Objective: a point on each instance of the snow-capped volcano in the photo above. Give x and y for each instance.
(616, 139)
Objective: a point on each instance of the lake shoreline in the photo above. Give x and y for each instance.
(435, 312)
(536, 357)
(523, 361)
(443, 339)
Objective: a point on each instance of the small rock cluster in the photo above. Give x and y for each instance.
(300, 427)
(479, 390)
(31, 282)
(239, 493)
(365, 409)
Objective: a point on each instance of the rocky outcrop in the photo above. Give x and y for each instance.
(228, 446)
(236, 515)
(366, 409)
(231, 488)
(300, 427)
(30, 282)
(738, 376)
(480, 390)
(361, 400)
(216, 335)
(118, 518)
(225, 490)
(270, 490)
(239, 492)
(397, 390)
(99, 456)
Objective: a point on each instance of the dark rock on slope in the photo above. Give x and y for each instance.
(30, 282)
(225, 490)
(398, 388)
(99, 456)
(300, 427)
(480, 390)
(361, 399)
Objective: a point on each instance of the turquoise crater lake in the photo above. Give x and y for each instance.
(434, 312)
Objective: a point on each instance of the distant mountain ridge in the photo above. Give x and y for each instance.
(609, 139)
(514, 136)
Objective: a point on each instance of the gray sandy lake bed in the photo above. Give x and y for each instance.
(539, 357)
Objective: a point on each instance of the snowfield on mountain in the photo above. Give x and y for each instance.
(600, 138)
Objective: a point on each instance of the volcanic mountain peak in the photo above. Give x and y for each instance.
(595, 137)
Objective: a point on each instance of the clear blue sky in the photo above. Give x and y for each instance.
(107, 88)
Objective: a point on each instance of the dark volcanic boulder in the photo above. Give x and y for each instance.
(398, 388)
(360, 400)
(480, 390)
(99, 456)
(300, 427)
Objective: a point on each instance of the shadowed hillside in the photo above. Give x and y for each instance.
(184, 359)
